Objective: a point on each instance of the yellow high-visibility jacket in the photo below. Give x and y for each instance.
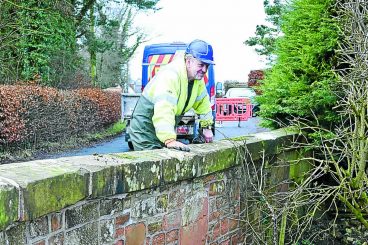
(167, 92)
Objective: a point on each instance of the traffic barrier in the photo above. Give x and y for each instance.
(233, 109)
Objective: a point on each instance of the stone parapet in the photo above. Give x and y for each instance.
(118, 198)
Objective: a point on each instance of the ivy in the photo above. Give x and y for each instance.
(39, 32)
(43, 42)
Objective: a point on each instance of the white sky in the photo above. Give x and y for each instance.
(225, 24)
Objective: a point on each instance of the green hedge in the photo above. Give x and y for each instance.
(302, 82)
(34, 115)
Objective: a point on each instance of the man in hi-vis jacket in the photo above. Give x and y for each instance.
(176, 88)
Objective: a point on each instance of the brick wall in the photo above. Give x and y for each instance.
(151, 197)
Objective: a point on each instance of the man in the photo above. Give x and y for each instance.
(176, 88)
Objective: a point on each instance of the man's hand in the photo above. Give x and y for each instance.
(173, 144)
(208, 135)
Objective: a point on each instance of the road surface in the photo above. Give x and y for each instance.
(118, 144)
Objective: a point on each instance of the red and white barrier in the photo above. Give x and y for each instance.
(233, 109)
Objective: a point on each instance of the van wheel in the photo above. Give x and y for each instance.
(130, 144)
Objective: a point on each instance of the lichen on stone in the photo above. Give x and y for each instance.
(124, 156)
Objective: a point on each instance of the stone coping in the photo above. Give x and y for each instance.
(29, 190)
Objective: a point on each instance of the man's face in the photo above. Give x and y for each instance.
(196, 69)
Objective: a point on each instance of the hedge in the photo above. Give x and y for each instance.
(33, 114)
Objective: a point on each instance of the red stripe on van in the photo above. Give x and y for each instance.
(159, 61)
(205, 78)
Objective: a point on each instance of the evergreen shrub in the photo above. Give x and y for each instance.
(302, 82)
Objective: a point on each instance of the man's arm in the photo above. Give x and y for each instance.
(164, 96)
(202, 106)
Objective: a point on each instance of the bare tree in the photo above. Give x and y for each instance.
(282, 212)
(348, 150)
(280, 208)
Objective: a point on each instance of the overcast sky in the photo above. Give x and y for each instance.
(224, 24)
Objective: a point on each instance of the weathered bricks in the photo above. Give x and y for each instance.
(153, 222)
(226, 242)
(39, 227)
(81, 214)
(217, 188)
(56, 221)
(84, 235)
(122, 219)
(17, 234)
(172, 220)
(43, 242)
(176, 199)
(135, 234)
(215, 232)
(159, 239)
(57, 239)
(154, 227)
(186, 220)
(120, 242)
(113, 205)
(224, 223)
(172, 236)
(153, 197)
(106, 228)
(119, 232)
(162, 203)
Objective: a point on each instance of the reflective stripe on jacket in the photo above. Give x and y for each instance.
(167, 91)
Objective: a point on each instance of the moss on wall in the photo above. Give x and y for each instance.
(9, 200)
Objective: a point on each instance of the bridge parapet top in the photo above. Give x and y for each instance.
(29, 190)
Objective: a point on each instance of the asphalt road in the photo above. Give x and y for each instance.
(118, 144)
